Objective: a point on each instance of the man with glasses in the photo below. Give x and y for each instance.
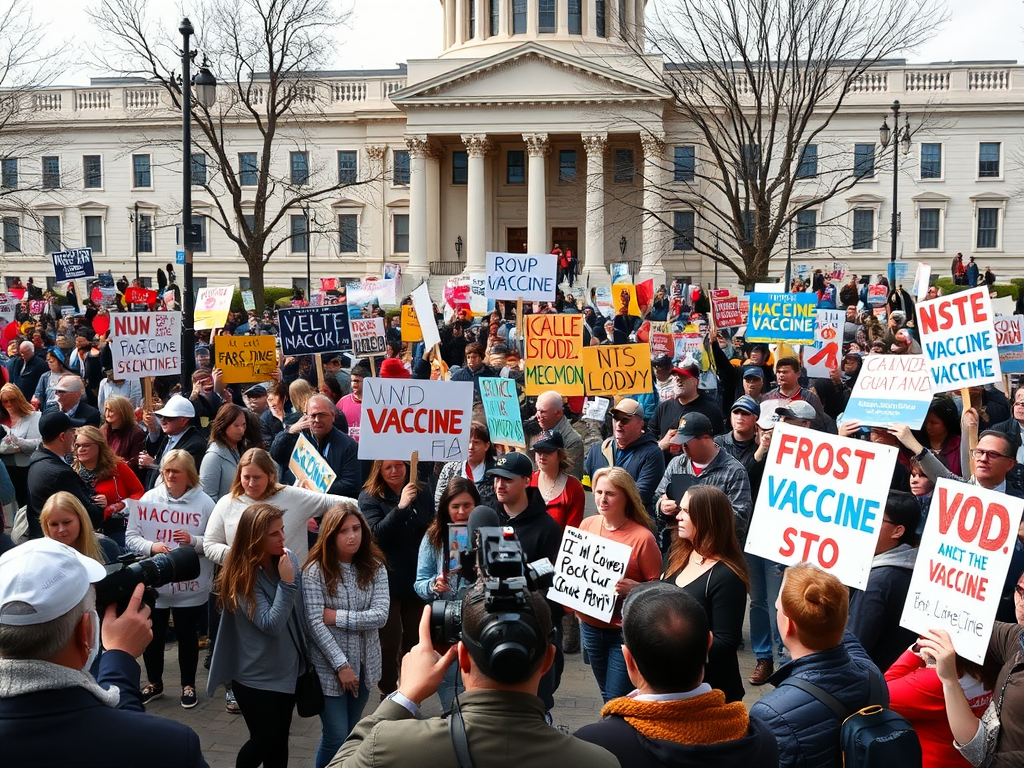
(339, 450)
(70, 392)
(169, 428)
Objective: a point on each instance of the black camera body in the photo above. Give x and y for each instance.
(181, 564)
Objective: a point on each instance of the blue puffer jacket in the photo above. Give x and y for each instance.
(807, 731)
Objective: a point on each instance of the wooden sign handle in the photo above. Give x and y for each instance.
(972, 431)
(318, 359)
(414, 467)
(373, 366)
(147, 393)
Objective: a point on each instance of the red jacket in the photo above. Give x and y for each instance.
(567, 507)
(123, 485)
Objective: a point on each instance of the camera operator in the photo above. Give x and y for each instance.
(52, 712)
(497, 715)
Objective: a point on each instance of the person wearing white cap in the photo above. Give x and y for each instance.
(170, 428)
(51, 708)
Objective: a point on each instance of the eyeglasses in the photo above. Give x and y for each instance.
(1018, 403)
(981, 453)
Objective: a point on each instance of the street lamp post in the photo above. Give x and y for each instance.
(901, 142)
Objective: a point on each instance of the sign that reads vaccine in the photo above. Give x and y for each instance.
(790, 317)
(526, 276)
(958, 337)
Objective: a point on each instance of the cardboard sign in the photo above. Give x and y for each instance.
(1009, 341)
(245, 358)
(961, 564)
(727, 312)
(501, 407)
(402, 415)
(73, 264)
(311, 470)
(623, 369)
(410, 324)
(158, 522)
(624, 295)
(145, 344)
(891, 389)
(135, 295)
(959, 339)
(248, 301)
(554, 354)
(922, 278)
(662, 344)
(368, 336)
(788, 317)
(212, 305)
(587, 570)
(822, 500)
(425, 316)
(526, 276)
(314, 330)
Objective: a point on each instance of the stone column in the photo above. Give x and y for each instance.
(377, 158)
(433, 154)
(595, 145)
(477, 147)
(505, 18)
(653, 235)
(418, 148)
(449, 24)
(461, 22)
(538, 147)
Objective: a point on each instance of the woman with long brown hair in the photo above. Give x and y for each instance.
(345, 587)
(227, 436)
(123, 433)
(705, 559)
(261, 629)
(112, 482)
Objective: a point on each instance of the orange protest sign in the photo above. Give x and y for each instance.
(554, 354)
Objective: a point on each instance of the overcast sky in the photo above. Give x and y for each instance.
(384, 32)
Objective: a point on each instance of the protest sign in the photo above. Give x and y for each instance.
(1011, 348)
(690, 345)
(248, 301)
(73, 264)
(9, 308)
(830, 325)
(554, 354)
(478, 302)
(662, 340)
(877, 294)
(727, 312)
(822, 500)
(822, 356)
(586, 572)
(620, 273)
(314, 330)
(961, 566)
(891, 389)
(501, 407)
(410, 324)
(134, 295)
(145, 344)
(404, 415)
(959, 339)
(623, 369)
(311, 470)
(782, 317)
(157, 522)
(36, 306)
(530, 277)
(838, 271)
(212, 305)
(603, 300)
(368, 336)
(425, 315)
(922, 277)
(596, 408)
(624, 295)
(245, 358)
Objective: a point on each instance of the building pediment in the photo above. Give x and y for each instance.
(931, 197)
(867, 199)
(529, 74)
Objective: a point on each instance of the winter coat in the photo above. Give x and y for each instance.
(398, 531)
(47, 473)
(643, 460)
(339, 450)
(875, 612)
(218, 470)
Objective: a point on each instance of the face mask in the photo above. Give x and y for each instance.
(94, 648)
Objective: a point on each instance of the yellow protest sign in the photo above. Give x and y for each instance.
(410, 325)
(622, 369)
(245, 358)
(212, 305)
(619, 300)
(554, 354)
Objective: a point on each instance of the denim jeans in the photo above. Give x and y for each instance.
(604, 651)
(765, 583)
(340, 715)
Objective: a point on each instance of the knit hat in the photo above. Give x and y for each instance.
(392, 368)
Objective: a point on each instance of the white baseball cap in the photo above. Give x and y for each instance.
(49, 576)
(177, 407)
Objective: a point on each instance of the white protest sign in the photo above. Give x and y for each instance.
(596, 408)
(9, 308)
(157, 521)
(403, 415)
(311, 470)
(145, 344)
(368, 336)
(587, 570)
(922, 277)
(961, 564)
(526, 276)
(478, 294)
(891, 389)
(830, 325)
(822, 500)
(425, 314)
(959, 340)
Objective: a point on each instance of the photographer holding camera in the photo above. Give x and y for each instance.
(498, 721)
(52, 712)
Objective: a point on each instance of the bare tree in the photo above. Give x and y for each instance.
(757, 83)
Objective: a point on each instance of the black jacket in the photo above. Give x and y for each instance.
(47, 474)
(537, 532)
(398, 531)
(875, 612)
(86, 416)
(192, 442)
(339, 450)
(25, 376)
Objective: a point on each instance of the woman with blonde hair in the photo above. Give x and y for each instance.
(345, 589)
(109, 477)
(262, 629)
(64, 519)
(122, 432)
(622, 518)
(705, 559)
(21, 439)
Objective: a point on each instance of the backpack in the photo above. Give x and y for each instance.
(872, 737)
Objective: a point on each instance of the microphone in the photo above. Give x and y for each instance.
(482, 517)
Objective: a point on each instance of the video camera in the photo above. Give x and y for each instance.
(181, 564)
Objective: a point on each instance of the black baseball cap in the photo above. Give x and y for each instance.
(693, 424)
(511, 466)
(549, 440)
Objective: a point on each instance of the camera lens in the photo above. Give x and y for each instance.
(445, 622)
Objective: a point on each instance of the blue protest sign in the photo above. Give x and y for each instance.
(73, 264)
(501, 407)
(789, 317)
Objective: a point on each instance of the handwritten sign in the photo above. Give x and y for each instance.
(73, 264)
(248, 301)
(1011, 347)
(310, 469)
(727, 312)
(501, 407)
(623, 369)
(478, 302)
(554, 354)
(891, 389)
(962, 563)
(401, 416)
(425, 315)
(526, 276)
(596, 408)
(821, 501)
(157, 521)
(410, 324)
(245, 358)
(587, 570)
(876, 295)
(959, 340)
(368, 336)
(145, 344)
(314, 330)
(788, 317)
(212, 305)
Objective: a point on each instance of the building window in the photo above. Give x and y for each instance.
(51, 234)
(495, 14)
(348, 233)
(299, 163)
(472, 19)
(988, 227)
(460, 167)
(863, 229)
(807, 230)
(198, 169)
(250, 221)
(928, 227)
(144, 234)
(198, 220)
(567, 165)
(299, 234)
(400, 239)
(575, 17)
(546, 16)
(142, 172)
(931, 161)
(12, 235)
(94, 233)
(683, 226)
(988, 160)
(622, 168)
(51, 172)
(808, 166)
(248, 169)
(684, 164)
(864, 161)
(401, 161)
(749, 225)
(750, 161)
(518, 17)
(348, 166)
(92, 172)
(9, 173)
(599, 19)
(515, 167)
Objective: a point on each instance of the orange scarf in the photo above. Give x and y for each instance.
(704, 719)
